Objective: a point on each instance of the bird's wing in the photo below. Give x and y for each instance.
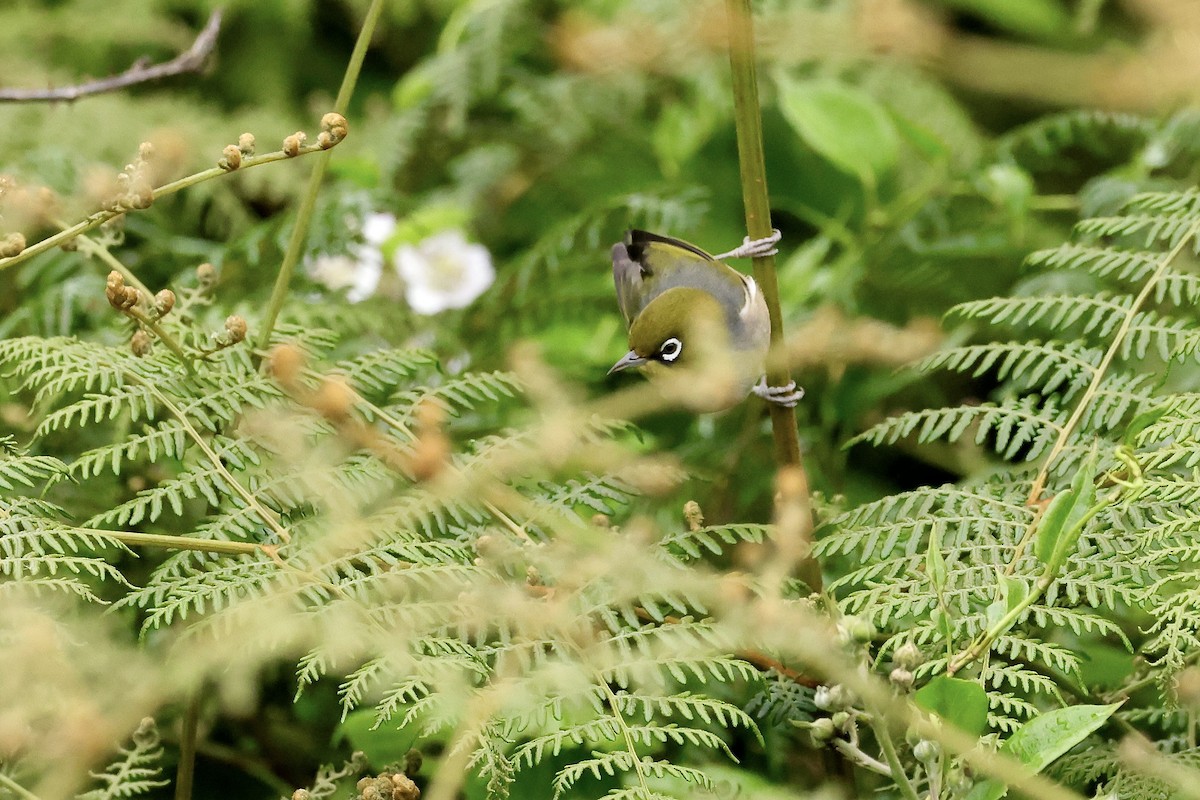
(647, 264)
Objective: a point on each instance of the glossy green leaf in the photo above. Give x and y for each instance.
(960, 702)
(1041, 740)
(1063, 521)
(1010, 593)
(843, 124)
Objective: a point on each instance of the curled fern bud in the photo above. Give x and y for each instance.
(301, 794)
(246, 144)
(206, 275)
(335, 124)
(432, 449)
(403, 787)
(412, 761)
(231, 158)
(146, 735)
(130, 298)
(693, 515)
(235, 326)
(293, 143)
(141, 194)
(286, 362)
(334, 398)
(12, 245)
(601, 521)
(141, 343)
(333, 130)
(164, 301)
(114, 290)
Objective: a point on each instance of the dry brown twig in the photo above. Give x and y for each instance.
(190, 60)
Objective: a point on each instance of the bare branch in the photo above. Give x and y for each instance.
(191, 60)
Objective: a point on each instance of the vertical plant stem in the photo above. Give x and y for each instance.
(187, 749)
(309, 200)
(752, 165)
(884, 735)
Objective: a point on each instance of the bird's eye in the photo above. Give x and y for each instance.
(670, 349)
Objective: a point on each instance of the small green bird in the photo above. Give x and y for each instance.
(669, 291)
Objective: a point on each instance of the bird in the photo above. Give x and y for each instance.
(682, 304)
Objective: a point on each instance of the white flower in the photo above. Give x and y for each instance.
(377, 227)
(361, 267)
(444, 271)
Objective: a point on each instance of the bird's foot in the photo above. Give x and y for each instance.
(787, 396)
(754, 248)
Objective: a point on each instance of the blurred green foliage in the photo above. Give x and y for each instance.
(544, 130)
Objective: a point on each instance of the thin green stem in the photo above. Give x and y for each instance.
(94, 248)
(186, 770)
(752, 165)
(308, 202)
(173, 542)
(16, 788)
(884, 735)
(391, 420)
(98, 218)
(983, 642)
(1039, 482)
(163, 336)
(249, 499)
(862, 759)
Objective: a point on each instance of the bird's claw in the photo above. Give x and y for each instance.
(787, 396)
(755, 248)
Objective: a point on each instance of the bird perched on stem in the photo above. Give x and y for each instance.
(686, 308)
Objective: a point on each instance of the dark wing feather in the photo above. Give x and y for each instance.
(647, 264)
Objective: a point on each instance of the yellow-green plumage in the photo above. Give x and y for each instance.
(681, 305)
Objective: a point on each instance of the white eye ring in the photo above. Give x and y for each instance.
(670, 349)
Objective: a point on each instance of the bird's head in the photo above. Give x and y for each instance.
(676, 329)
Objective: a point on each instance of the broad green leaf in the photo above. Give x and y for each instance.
(1010, 593)
(960, 702)
(1037, 743)
(845, 125)
(1063, 521)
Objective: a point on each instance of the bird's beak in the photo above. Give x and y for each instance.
(630, 359)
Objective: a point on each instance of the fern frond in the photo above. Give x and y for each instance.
(1025, 428)
(136, 772)
(1104, 133)
(714, 540)
(27, 470)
